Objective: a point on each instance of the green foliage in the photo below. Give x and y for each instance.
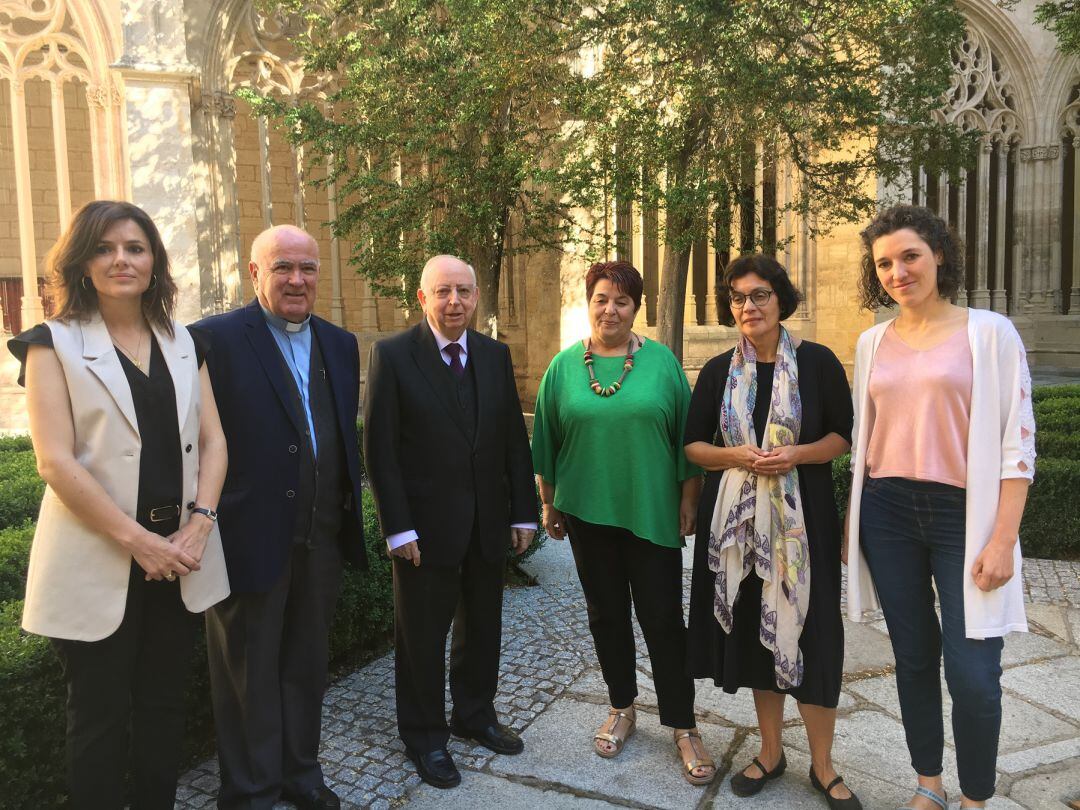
(22, 488)
(1046, 392)
(692, 92)
(14, 556)
(32, 696)
(443, 133)
(14, 443)
(1051, 524)
(1062, 18)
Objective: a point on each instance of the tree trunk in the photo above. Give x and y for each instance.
(488, 267)
(672, 294)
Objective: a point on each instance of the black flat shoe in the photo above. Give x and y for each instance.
(496, 737)
(319, 798)
(850, 803)
(743, 785)
(435, 767)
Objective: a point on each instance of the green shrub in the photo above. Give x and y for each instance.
(1045, 392)
(22, 488)
(15, 443)
(14, 555)
(1051, 524)
(1055, 444)
(32, 723)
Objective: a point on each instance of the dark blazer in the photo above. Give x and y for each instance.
(263, 432)
(425, 473)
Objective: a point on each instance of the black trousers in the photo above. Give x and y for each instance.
(616, 567)
(427, 600)
(126, 693)
(268, 657)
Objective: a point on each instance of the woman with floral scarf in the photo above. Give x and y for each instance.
(766, 419)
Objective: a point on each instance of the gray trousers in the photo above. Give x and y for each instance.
(268, 668)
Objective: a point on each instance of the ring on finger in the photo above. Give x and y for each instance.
(170, 576)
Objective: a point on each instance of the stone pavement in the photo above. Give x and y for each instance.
(551, 691)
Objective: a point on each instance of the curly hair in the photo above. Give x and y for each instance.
(932, 229)
(67, 260)
(622, 274)
(770, 270)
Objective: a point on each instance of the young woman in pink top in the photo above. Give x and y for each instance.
(942, 456)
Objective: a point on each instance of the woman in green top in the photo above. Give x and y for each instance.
(607, 450)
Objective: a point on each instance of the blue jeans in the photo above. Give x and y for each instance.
(911, 531)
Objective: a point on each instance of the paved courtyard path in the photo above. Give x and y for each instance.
(552, 693)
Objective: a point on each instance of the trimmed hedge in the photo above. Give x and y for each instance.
(1055, 392)
(14, 556)
(22, 488)
(32, 690)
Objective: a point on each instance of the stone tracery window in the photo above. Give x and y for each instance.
(981, 206)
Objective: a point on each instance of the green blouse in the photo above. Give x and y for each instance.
(618, 460)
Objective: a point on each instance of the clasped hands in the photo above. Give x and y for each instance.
(778, 461)
(176, 555)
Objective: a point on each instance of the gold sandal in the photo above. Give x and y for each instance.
(611, 736)
(693, 764)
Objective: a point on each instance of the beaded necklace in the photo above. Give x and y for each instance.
(611, 390)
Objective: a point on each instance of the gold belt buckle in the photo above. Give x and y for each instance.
(159, 514)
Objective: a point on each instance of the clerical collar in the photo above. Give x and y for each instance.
(282, 324)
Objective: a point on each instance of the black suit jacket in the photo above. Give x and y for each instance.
(263, 431)
(424, 471)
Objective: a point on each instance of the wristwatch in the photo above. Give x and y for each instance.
(205, 510)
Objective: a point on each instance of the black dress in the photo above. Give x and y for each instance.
(739, 659)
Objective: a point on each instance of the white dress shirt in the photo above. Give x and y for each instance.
(401, 538)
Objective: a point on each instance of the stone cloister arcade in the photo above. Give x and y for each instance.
(135, 99)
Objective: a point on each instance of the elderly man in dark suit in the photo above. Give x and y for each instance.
(287, 385)
(448, 459)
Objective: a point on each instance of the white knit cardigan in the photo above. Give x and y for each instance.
(1001, 444)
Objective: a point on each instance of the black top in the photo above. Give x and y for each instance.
(161, 482)
(739, 659)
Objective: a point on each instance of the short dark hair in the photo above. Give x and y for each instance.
(932, 229)
(622, 274)
(66, 263)
(771, 271)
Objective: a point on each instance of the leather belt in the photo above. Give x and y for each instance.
(159, 514)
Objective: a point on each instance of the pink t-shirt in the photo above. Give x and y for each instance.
(922, 404)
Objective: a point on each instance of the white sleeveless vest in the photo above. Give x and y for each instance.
(77, 582)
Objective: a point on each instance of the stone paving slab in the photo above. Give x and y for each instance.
(482, 790)
(1048, 791)
(1053, 684)
(647, 772)
(866, 649)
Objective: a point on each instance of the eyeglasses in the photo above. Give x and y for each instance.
(760, 297)
(464, 292)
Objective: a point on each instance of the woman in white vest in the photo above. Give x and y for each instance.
(129, 444)
(943, 453)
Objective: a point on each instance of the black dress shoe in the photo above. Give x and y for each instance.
(435, 767)
(319, 798)
(496, 737)
(850, 803)
(743, 785)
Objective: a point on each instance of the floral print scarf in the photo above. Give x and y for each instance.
(757, 523)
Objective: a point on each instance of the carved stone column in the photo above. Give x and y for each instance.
(979, 297)
(1041, 172)
(32, 309)
(998, 300)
